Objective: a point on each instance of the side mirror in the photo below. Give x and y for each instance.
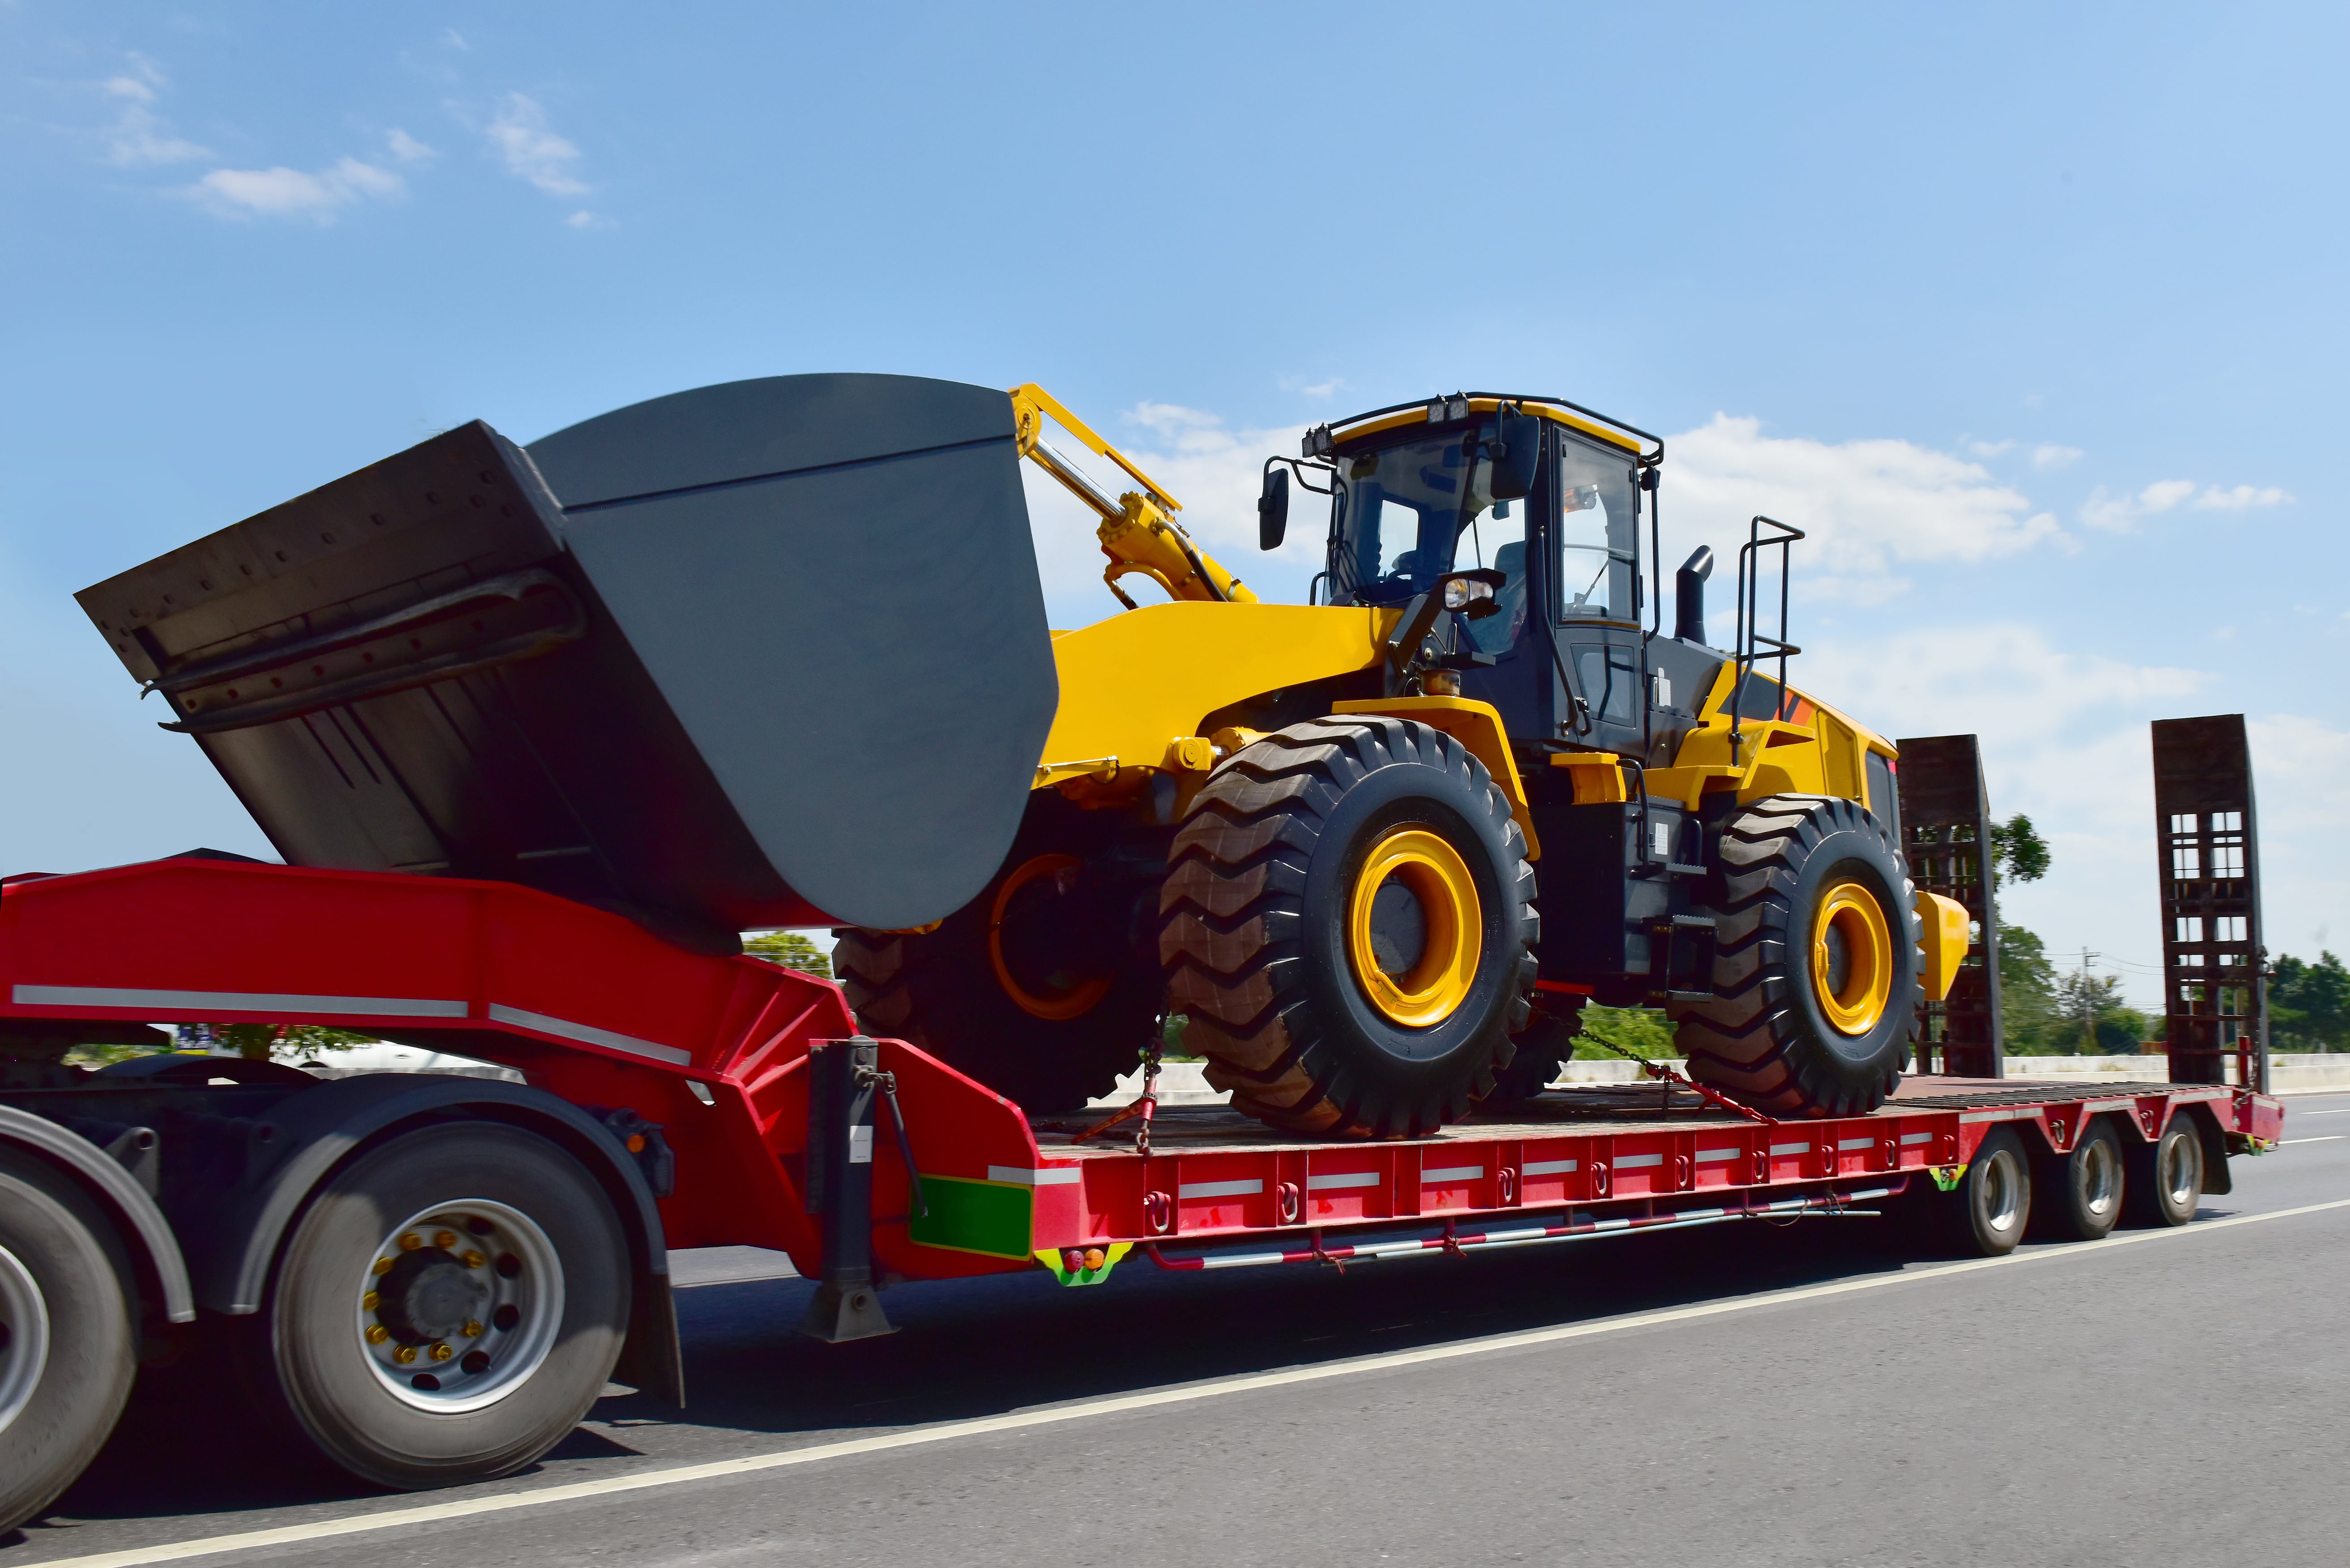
(1516, 449)
(1273, 510)
(1688, 595)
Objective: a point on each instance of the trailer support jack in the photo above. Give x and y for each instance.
(843, 1076)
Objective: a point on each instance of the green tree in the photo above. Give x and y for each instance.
(2017, 853)
(285, 1042)
(2027, 993)
(1642, 1031)
(2092, 1017)
(2309, 1005)
(792, 950)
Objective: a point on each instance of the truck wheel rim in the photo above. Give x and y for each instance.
(1999, 1193)
(1852, 959)
(1414, 928)
(1052, 1005)
(460, 1306)
(2101, 1177)
(2182, 1170)
(23, 1338)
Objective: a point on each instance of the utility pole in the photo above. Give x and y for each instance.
(2089, 1012)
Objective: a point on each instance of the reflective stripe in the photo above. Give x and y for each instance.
(1910, 1139)
(234, 1002)
(1858, 1142)
(1218, 1188)
(1790, 1147)
(1707, 1156)
(1997, 1116)
(1067, 1176)
(500, 1013)
(1546, 1167)
(1639, 1161)
(1342, 1179)
(1452, 1173)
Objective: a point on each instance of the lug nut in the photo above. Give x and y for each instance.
(404, 1354)
(444, 1239)
(474, 1259)
(410, 1241)
(383, 1267)
(370, 1301)
(441, 1353)
(377, 1334)
(473, 1331)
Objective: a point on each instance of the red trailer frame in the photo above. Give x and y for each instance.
(715, 1051)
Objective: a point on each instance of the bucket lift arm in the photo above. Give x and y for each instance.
(1138, 531)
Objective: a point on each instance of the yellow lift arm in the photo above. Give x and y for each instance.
(1138, 531)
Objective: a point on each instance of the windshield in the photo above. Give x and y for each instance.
(1408, 515)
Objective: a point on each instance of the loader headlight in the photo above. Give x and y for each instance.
(1460, 593)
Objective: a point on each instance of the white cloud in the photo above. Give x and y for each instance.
(139, 136)
(406, 149)
(283, 192)
(2122, 513)
(2050, 455)
(1990, 449)
(531, 151)
(1864, 506)
(2215, 499)
(2300, 775)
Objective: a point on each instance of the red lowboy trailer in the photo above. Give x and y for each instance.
(434, 1275)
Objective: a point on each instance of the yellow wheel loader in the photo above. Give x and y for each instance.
(775, 653)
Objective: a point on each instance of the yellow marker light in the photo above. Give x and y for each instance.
(1094, 1257)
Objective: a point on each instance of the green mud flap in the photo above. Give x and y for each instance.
(993, 1219)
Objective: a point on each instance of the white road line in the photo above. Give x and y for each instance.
(751, 1464)
(2344, 1112)
(2329, 1137)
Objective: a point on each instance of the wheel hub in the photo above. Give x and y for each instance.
(460, 1306)
(1852, 959)
(1415, 931)
(23, 1338)
(1046, 942)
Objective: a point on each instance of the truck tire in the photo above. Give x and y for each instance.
(1348, 921)
(1992, 1206)
(448, 1307)
(2087, 1188)
(2163, 1180)
(1044, 987)
(1816, 963)
(67, 1338)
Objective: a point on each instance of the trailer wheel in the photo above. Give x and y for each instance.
(66, 1336)
(1043, 987)
(2091, 1184)
(1816, 974)
(1348, 921)
(448, 1307)
(2163, 1180)
(1991, 1207)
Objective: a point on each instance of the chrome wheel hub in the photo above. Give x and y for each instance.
(460, 1306)
(23, 1338)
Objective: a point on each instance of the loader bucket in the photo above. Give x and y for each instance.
(766, 653)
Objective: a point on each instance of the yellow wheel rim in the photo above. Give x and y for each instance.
(1416, 990)
(1852, 959)
(1053, 1006)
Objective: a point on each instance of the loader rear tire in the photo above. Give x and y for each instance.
(1044, 987)
(1816, 963)
(1348, 923)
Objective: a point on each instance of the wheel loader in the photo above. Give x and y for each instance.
(774, 652)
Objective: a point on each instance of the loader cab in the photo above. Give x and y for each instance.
(1414, 500)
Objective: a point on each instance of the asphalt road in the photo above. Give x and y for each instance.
(1741, 1395)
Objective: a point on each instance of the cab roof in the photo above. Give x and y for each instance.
(1322, 440)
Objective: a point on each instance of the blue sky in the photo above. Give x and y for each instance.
(2032, 314)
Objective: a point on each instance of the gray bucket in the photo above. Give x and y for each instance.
(766, 653)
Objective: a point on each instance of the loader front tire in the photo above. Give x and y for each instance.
(1816, 963)
(1044, 987)
(1348, 923)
